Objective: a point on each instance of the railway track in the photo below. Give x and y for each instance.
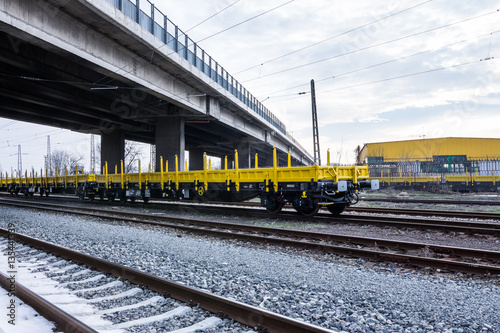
(67, 275)
(446, 225)
(217, 206)
(410, 253)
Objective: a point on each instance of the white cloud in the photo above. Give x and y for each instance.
(372, 119)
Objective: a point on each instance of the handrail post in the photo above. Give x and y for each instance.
(140, 180)
(236, 168)
(227, 175)
(121, 175)
(138, 11)
(176, 173)
(205, 172)
(275, 170)
(161, 173)
(106, 174)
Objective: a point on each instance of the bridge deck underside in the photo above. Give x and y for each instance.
(42, 87)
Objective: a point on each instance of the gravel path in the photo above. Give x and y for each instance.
(341, 295)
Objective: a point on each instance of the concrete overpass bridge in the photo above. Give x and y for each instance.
(123, 70)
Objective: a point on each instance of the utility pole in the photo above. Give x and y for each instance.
(317, 158)
(19, 160)
(48, 161)
(92, 153)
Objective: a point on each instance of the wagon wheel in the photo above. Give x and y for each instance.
(273, 205)
(310, 211)
(336, 209)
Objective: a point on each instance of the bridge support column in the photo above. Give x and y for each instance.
(112, 149)
(196, 159)
(263, 160)
(170, 141)
(244, 155)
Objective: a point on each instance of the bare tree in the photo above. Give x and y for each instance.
(98, 156)
(357, 153)
(133, 153)
(61, 159)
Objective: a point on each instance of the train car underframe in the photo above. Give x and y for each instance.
(305, 198)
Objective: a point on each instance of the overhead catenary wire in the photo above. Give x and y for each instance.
(376, 45)
(411, 74)
(371, 46)
(212, 16)
(8, 124)
(380, 44)
(333, 37)
(269, 95)
(351, 30)
(392, 78)
(15, 140)
(245, 21)
(37, 79)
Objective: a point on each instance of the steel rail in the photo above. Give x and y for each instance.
(428, 212)
(317, 241)
(49, 311)
(444, 225)
(223, 307)
(436, 201)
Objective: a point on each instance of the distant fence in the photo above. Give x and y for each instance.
(485, 167)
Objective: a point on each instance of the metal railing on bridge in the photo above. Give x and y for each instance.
(153, 20)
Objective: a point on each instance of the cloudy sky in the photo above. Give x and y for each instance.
(384, 70)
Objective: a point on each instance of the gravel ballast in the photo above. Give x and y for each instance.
(340, 295)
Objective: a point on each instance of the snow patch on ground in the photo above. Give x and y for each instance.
(26, 319)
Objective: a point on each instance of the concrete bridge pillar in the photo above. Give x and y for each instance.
(170, 141)
(196, 159)
(263, 160)
(112, 149)
(244, 156)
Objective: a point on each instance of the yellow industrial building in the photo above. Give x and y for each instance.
(431, 150)
(459, 164)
